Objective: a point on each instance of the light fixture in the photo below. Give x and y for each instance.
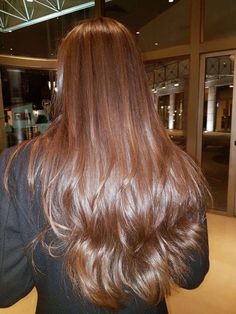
(231, 85)
(36, 113)
(176, 84)
(171, 0)
(137, 33)
(30, 0)
(156, 44)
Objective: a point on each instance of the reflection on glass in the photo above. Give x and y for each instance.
(219, 19)
(36, 12)
(156, 24)
(217, 126)
(168, 82)
(27, 102)
(54, 19)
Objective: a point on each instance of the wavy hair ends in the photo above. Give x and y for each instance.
(121, 199)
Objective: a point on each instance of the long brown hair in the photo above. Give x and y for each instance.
(121, 198)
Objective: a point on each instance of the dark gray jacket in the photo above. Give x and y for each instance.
(20, 220)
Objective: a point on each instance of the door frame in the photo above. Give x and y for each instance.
(231, 195)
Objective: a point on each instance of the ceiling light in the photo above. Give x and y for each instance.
(231, 85)
(30, 0)
(137, 32)
(156, 44)
(176, 84)
(171, 0)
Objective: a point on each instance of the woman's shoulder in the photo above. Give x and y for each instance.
(14, 163)
(15, 160)
(14, 168)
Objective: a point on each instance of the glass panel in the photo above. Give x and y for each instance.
(2, 121)
(41, 39)
(217, 126)
(168, 81)
(16, 14)
(219, 19)
(27, 101)
(157, 24)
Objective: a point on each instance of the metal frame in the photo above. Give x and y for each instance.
(192, 109)
(232, 159)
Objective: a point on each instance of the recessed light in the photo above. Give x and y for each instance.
(11, 49)
(137, 33)
(10, 31)
(171, 0)
(231, 86)
(156, 44)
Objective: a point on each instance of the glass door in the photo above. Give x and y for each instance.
(169, 81)
(218, 131)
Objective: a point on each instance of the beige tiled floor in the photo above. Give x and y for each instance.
(217, 295)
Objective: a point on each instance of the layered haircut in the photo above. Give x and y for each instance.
(122, 200)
